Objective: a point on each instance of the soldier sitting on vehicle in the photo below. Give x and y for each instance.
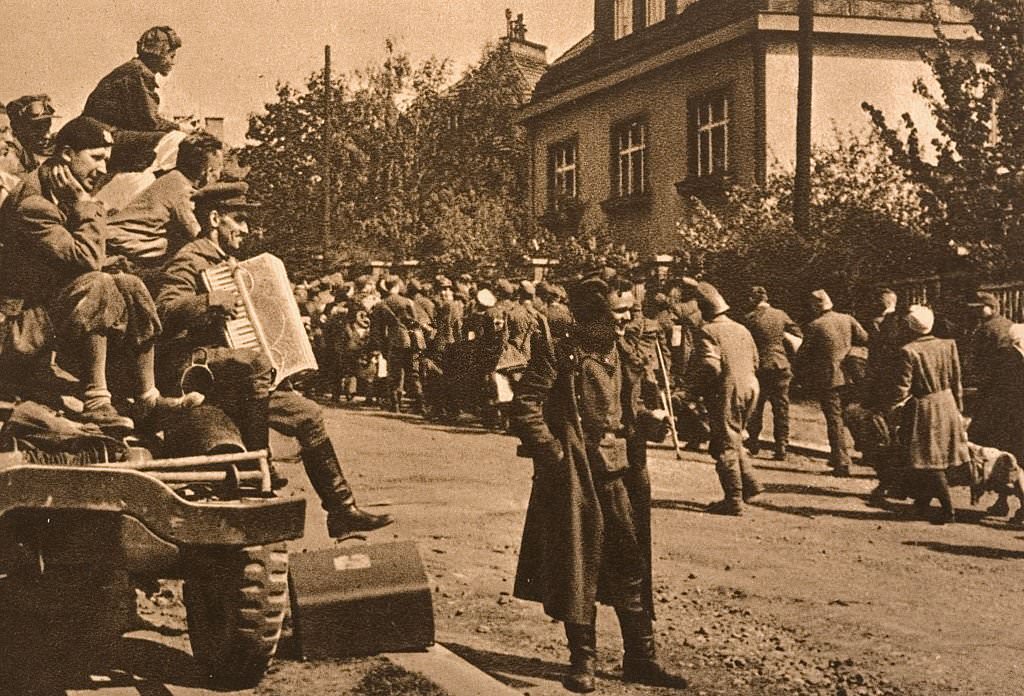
(127, 101)
(31, 117)
(194, 319)
(56, 296)
(159, 221)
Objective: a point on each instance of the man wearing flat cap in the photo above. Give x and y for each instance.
(827, 341)
(31, 117)
(54, 236)
(194, 319)
(584, 542)
(724, 370)
(769, 327)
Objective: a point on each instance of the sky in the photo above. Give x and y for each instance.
(235, 51)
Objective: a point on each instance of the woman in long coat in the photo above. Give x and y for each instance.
(583, 541)
(931, 436)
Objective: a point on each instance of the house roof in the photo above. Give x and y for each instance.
(591, 58)
(530, 67)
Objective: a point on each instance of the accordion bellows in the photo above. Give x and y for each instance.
(270, 322)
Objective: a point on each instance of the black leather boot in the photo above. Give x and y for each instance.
(343, 516)
(639, 661)
(254, 425)
(582, 656)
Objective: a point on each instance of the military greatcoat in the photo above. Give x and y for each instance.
(585, 538)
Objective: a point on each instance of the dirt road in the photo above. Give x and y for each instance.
(811, 592)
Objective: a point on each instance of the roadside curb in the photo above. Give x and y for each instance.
(450, 672)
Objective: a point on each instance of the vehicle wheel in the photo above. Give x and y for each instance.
(235, 603)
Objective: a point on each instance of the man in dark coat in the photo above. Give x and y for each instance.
(724, 371)
(827, 342)
(990, 335)
(999, 415)
(195, 318)
(769, 327)
(54, 236)
(127, 100)
(575, 412)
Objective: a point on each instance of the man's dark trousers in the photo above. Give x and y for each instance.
(774, 383)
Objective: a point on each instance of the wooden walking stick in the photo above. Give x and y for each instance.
(666, 398)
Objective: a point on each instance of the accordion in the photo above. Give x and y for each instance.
(269, 321)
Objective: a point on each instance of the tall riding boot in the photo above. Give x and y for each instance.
(582, 657)
(255, 430)
(728, 468)
(343, 517)
(751, 487)
(639, 661)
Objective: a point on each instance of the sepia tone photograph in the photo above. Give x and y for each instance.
(490, 349)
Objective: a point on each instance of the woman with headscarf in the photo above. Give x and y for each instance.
(931, 436)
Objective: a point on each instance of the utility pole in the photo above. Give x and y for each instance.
(804, 92)
(328, 143)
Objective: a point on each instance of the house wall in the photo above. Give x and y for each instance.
(847, 71)
(662, 96)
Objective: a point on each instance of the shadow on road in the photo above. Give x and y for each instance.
(968, 550)
(812, 512)
(803, 489)
(506, 668)
(144, 665)
(684, 505)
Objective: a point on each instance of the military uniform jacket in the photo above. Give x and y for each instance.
(47, 245)
(768, 326)
(556, 418)
(127, 99)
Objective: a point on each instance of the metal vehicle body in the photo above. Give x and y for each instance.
(71, 535)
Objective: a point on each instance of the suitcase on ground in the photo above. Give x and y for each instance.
(358, 600)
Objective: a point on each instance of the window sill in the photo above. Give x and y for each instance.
(708, 185)
(626, 204)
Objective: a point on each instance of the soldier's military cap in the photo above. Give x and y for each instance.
(31, 107)
(224, 195)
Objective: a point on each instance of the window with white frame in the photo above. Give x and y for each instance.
(562, 172)
(623, 18)
(711, 134)
(655, 12)
(629, 172)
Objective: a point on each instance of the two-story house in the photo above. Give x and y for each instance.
(666, 98)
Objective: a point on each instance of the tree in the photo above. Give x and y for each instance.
(972, 190)
(421, 170)
(866, 222)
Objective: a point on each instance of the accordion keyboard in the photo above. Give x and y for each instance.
(268, 317)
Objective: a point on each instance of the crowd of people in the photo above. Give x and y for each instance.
(104, 295)
(106, 228)
(444, 347)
